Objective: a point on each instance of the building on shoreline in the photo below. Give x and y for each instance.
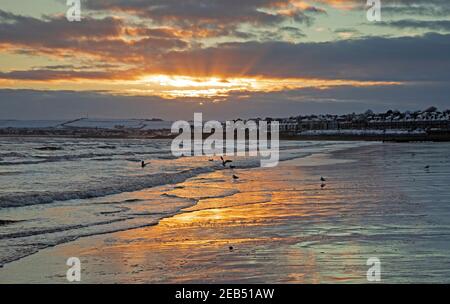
(424, 123)
(427, 120)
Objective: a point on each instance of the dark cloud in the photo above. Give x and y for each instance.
(99, 37)
(17, 29)
(199, 11)
(422, 58)
(215, 17)
(397, 7)
(346, 30)
(295, 31)
(416, 7)
(30, 104)
(395, 59)
(435, 25)
(58, 74)
(398, 3)
(179, 37)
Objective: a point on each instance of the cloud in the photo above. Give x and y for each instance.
(229, 39)
(108, 37)
(420, 58)
(347, 33)
(214, 18)
(190, 12)
(417, 7)
(32, 104)
(371, 58)
(435, 25)
(58, 74)
(396, 7)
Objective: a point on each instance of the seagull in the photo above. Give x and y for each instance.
(144, 164)
(235, 177)
(322, 179)
(225, 162)
(427, 167)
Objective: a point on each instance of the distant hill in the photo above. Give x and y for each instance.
(88, 123)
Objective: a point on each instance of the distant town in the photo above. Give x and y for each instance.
(428, 124)
(429, 119)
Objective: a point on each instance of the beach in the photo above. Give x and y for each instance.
(274, 225)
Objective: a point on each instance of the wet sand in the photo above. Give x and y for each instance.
(280, 225)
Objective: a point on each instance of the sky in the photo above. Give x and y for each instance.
(225, 58)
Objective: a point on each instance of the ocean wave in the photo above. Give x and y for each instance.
(226, 193)
(40, 159)
(11, 154)
(103, 159)
(49, 148)
(7, 222)
(27, 242)
(118, 185)
(32, 232)
(24, 162)
(107, 147)
(9, 173)
(121, 184)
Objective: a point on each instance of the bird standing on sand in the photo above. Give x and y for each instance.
(225, 162)
(322, 179)
(235, 177)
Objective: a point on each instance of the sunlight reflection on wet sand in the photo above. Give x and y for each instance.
(280, 225)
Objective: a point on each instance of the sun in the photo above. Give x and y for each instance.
(197, 87)
(217, 88)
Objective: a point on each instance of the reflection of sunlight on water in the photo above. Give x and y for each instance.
(279, 225)
(273, 220)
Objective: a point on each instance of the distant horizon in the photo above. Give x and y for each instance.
(443, 109)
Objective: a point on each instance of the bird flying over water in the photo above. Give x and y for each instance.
(225, 162)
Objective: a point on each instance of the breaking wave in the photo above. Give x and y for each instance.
(118, 185)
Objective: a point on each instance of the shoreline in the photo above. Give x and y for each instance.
(168, 181)
(280, 227)
(85, 245)
(384, 138)
(303, 160)
(443, 137)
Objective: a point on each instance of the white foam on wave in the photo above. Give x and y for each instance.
(113, 186)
